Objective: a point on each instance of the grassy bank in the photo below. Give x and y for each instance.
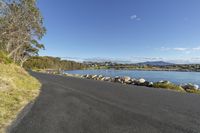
(17, 88)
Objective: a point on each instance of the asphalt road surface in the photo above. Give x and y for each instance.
(72, 105)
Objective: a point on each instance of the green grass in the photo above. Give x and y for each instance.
(169, 86)
(17, 88)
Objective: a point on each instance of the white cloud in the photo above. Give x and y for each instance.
(135, 17)
(196, 49)
(181, 49)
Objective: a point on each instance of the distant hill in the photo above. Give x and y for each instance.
(155, 63)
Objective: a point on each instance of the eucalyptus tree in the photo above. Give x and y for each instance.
(21, 28)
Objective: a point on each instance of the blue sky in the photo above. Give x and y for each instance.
(122, 30)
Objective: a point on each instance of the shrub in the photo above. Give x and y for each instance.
(170, 86)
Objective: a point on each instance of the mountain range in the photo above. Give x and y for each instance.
(155, 63)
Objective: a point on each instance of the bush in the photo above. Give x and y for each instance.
(170, 86)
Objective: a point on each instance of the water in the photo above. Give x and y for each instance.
(154, 76)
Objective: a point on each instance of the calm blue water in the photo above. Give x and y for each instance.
(175, 77)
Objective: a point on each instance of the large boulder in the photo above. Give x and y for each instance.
(102, 79)
(190, 86)
(99, 77)
(165, 82)
(94, 77)
(107, 79)
(116, 79)
(84, 76)
(127, 80)
(141, 81)
(88, 76)
(150, 84)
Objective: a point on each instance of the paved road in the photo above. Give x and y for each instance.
(71, 105)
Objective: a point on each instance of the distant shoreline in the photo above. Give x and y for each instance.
(142, 70)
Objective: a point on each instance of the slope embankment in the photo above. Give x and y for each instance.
(17, 89)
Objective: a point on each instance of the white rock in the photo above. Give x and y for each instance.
(94, 76)
(164, 82)
(107, 78)
(103, 78)
(191, 86)
(89, 76)
(141, 81)
(127, 79)
(196, 87)
(150, 83)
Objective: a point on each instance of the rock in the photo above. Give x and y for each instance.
(150, 84)
(120, 80)
(141, 81)
(116, 79)
(196, 87)
(88, 76)
(102, 79)
(94, 77)
(84, 76)
(146, 83)
(100, 76)
(190, 87)
(165, 82)
(127, 80)
(133, 80)
(77, 75)
(107, 79)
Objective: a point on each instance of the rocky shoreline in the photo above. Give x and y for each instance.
(190, 88)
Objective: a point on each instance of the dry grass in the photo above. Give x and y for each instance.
(17, 88)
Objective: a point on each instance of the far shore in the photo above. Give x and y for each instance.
(166, 70)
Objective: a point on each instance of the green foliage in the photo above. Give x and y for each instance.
(170, 86)
(21, 27)
(47, 62)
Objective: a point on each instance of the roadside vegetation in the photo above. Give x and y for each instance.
(21, 28)
(169, 86)
(39, 63)
(17, 88)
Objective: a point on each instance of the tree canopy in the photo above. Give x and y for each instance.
(21, 27)
(48, 62)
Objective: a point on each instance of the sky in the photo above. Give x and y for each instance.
(122, 30)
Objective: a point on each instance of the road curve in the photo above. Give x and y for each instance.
(72, 105)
